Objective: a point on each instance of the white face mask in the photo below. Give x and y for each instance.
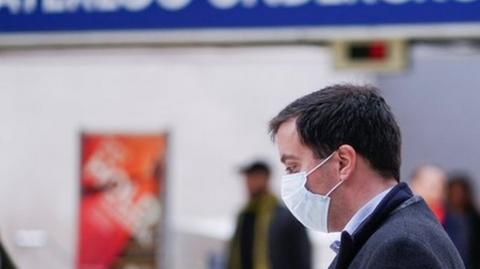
(309, 208)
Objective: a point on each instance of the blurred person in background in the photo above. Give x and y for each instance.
(267, 236)
(428, 181)
(462, 221)
(454, 208)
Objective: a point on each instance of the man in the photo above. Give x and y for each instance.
(267, 236)
(341, 150)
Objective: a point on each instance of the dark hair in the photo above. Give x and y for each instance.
(347, 114)
(254, 167)
(463, 180)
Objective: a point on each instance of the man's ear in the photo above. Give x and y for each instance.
(348, 161)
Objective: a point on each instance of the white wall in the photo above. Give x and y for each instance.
(214, 102)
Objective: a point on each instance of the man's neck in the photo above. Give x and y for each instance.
(364, 212)
(358, 194)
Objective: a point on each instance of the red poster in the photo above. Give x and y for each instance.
(122, 181)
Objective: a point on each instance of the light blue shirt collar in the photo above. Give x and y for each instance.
(365, 211)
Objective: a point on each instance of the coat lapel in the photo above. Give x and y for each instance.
(347, 250)
(351, 245)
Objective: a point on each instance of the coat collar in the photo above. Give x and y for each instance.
(351, 245)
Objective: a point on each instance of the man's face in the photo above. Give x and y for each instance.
(257, 183)
(296, 157)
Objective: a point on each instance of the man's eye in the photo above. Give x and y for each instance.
(289, 170)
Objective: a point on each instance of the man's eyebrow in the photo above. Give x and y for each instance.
(286, 157)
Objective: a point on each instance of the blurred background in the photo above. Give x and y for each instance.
(124, 124)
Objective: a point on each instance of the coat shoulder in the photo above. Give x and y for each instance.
(409, 238)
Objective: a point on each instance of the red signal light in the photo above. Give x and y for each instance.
(377, 50)
(373, 55)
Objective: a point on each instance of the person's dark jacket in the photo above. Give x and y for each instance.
(288, 243)
(464, 230)
(289, 246)
(401, 233)
(474, 220)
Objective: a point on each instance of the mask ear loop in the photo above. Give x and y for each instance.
(335, 187)
(320, 164)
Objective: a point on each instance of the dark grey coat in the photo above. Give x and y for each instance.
(402, 232)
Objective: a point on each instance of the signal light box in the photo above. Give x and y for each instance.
(370, 55)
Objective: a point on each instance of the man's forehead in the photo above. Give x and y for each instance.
(288, 130)
(288, 142)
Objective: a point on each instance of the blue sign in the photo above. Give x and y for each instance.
(21, 16)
